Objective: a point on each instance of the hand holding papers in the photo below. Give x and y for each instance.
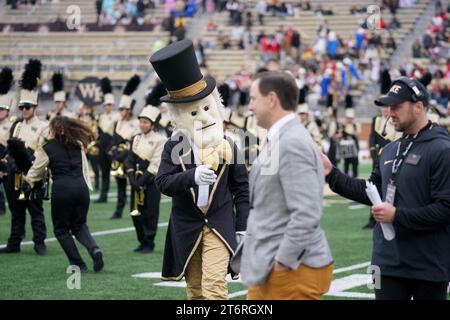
(374, 196)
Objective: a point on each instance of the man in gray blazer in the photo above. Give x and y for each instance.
(285, 254)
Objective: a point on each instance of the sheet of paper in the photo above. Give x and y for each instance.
(203, 195)
(374, 196)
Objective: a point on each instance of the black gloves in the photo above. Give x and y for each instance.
(26, 189)
(19, 153)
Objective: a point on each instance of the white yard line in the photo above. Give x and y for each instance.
(97, 233)
(112, 195)
(337, 289)
(353, 267)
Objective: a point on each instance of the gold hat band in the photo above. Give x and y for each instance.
(190, 91)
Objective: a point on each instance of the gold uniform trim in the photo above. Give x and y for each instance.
(189, 91)
(180, 276)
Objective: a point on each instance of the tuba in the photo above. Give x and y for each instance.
(139, 197)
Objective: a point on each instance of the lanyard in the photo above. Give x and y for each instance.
(400, 157)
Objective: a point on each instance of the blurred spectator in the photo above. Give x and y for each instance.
(281, 11)
(98, 6)
(180, 32)
(200, 52)
(416, 49)
(169, 5)
(305, 5)
(190, 9)
(394, 24)
(211, 26)
(261, 9)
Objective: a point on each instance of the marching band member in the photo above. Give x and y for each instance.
(125, 128)
(142, 164)
(106, 122)
(25, 136)
(6, 81)
(64, 155)
(87, 116)
(59, 97)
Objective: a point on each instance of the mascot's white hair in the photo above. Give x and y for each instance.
(174, 108)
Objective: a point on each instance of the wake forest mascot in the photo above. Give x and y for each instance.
(205, 175)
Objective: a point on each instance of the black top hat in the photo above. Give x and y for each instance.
(178, 69)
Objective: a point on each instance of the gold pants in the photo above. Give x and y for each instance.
(305, 283)
(207, 270)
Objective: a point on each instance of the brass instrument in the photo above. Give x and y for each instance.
(18, 186)
(117, 169)
(139, 197)
(93, 149)
(117, 166)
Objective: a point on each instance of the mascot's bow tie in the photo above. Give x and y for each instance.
(212, 155)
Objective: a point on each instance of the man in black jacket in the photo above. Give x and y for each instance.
(412, 177)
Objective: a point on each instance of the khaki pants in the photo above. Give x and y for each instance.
(207, 270)
(305, 283)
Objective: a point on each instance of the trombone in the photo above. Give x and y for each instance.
(139, 197)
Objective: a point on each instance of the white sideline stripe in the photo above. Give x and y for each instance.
(237, 294)
(348, 282)
(357, 206)
(353, 295)
(337, 288)
(114, 194)
(97, 233)
(353, 267)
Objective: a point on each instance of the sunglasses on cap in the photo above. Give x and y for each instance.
(26, 107)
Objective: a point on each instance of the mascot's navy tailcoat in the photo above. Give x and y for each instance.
(226, 211)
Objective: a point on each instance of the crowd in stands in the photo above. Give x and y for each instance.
(15, 4)
(431, 56)
(125, 12)
(331, 65)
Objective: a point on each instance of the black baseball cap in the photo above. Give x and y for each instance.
(404, 89)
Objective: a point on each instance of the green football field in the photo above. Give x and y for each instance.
(129, 275)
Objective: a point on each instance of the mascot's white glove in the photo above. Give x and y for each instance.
(240, 235)
(204, 175)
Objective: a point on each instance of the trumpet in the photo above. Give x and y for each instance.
(18, 186)
(139, 197)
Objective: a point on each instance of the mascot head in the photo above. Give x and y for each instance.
(193, 99)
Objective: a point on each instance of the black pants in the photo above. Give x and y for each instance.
(105, 168)
(2, 200)
(18, 210)
(354, 163)
(333, 152)
(146, 224)
(95, 164)
(393, 288)
(70, 205)
(121, 195)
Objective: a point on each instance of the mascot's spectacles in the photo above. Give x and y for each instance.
(26, 107)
